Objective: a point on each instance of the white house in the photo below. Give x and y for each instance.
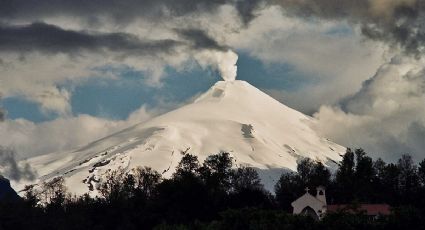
(314, 206)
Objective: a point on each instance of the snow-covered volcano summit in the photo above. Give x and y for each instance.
(231, 116)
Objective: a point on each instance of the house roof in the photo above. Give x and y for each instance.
(369, 209)
(307, 197)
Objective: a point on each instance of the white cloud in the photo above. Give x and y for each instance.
(225, 62)
(37, 77)
(335, 62)
(386, 117)
(31, 139)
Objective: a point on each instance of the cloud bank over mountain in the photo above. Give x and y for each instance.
(362, 60)
(386, 115)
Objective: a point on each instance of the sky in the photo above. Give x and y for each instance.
(74, 71)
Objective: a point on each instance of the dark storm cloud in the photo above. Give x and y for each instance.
(2, 111)
(38, 36)
(10, 167)
(121, 11)
(200, 39)
(2, 115)
(397, 22)
(52, 39)
(246, 9)
(416, 134)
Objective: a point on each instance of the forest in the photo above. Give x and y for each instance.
(216, 195)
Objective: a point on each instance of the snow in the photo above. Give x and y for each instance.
(232, 116)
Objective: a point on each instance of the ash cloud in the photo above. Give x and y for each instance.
(399, 23)
(199, 39)
(39, 36)
(10, 168)
(137, 34)
(121, 11)
(52, 39)
(2, 112)
(247, 9)
(22, 29)
(211, 53)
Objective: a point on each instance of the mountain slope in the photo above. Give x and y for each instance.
(7, 194)
(231, 116)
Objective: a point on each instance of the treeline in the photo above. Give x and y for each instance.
(358, 179)
(214, 195)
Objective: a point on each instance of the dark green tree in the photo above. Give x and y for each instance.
(379, 168)
(347, 167)
(390, 184)
(245, 178)
(320, 175)
(344, 178)
(421, 172)
(287, 189)
(247, 190)
(364, 178)
(31, 198)
(305, 169)
(189, 164)
(112, 188)
(146, 181)
(408, 178)
(216, 171)
(184, 197)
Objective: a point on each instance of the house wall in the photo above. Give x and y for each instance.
(308, 200)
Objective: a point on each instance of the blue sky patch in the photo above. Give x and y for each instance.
(117, 98)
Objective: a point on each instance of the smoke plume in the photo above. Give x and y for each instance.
(227, 65)
(211, 52)
(224, 62)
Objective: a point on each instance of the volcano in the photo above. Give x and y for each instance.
(232, 116)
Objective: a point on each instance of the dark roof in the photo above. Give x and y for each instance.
(369, 209)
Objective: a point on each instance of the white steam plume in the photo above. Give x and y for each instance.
(225, 62)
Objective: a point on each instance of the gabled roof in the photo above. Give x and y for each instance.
(308, 200)
(369, 209)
